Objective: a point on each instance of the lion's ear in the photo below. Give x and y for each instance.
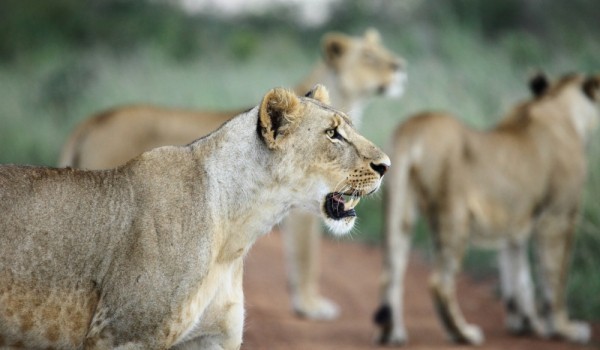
(278, 111)
(335, 46)
(591, 87)
(538, 84)
(372, 35)
(319, 93)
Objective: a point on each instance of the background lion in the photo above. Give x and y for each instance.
(354, 69)
(150, 255)
(522, 179)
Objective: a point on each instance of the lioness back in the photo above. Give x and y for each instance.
(63, 232)
(52, 289)
(444, 149)
(113, 137)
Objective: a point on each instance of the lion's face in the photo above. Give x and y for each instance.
(332, 165)
(364, 66)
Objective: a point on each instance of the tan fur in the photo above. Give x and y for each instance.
(353, 68)
(150, 255)
(522, 179)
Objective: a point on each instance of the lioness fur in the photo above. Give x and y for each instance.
(150, 255)
(522, 179)
(353, 68)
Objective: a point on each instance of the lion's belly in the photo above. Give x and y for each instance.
(52, 317)
(491, 222)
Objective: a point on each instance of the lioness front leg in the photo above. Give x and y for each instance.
(104, 342)
(554, 241)
(302, 238)
(222, 324)
(450, 248)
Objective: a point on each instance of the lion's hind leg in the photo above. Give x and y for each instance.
(518, 290)
(554, 239)
(450, 242)
(400, 216)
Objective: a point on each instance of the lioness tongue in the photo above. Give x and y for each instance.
(338, 198)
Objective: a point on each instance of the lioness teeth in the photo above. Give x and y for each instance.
(351, 204)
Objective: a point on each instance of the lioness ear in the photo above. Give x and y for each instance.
(372, 35)
(334, 45)
(591, 87)
(319, 93)
(538, 84)
(278, 111)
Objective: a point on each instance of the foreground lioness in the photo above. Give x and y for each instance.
(353, 68)
(520, 180)
(149, 255)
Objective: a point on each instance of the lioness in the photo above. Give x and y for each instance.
(522, 179)
(149, 255)
(354, 68)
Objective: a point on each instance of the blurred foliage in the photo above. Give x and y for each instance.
(29, 26)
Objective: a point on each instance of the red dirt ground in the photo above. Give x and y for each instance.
(350, 277)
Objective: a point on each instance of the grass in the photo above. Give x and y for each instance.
(43, 97)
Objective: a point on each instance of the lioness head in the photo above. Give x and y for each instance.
(575, 95)
(318, 149)
(364, 66)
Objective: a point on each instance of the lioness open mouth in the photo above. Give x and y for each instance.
(337, 208)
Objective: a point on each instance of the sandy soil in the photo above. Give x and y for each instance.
(350, 277)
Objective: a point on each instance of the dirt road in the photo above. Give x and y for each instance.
(350, 277)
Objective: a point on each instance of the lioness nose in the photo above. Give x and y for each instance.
(380, 168)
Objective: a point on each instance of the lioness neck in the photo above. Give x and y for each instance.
(351, 104)
(242, 181)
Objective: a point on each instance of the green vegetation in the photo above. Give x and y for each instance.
(64, 60)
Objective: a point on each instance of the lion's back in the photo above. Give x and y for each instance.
(51, 207)
(113, 137)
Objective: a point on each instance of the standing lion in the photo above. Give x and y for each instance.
(520, 181)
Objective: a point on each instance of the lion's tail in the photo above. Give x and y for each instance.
(69, 155)
(400, 215)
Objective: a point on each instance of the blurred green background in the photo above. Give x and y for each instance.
(63, 60)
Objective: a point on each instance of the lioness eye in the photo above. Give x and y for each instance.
(333, 134)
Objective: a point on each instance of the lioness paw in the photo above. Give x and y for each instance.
(320, 309)
(471, 335)
(578, 332)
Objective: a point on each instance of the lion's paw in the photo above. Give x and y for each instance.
(395, 337)
(471, 334)
(578, 332)
(320, 309)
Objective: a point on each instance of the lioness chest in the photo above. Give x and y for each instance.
(204, 311)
